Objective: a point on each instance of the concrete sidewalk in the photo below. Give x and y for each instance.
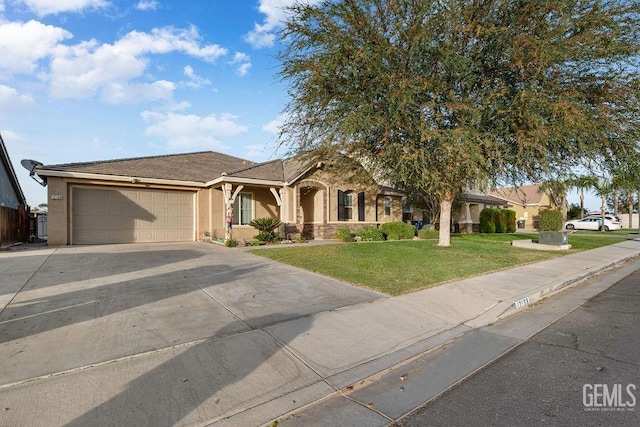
(229, 343)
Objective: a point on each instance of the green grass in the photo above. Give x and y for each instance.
(399, 267)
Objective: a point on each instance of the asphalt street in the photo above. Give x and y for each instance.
(583, 370)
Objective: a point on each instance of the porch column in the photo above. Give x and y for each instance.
(279, 196)
(469, 220)
(229, 198)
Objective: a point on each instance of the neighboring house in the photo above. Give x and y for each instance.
(467, 219)
(465, 215)
(527, 201)
(185, 197)
(14, 212)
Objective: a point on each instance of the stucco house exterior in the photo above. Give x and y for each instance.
(465, 214)
(184, 197)
(14, 212)
(527, 201)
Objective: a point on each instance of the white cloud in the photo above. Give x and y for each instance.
(22, 45)
(274, 125)
(190, 131)
(195, 81)
(87, 69)
(133, 93)
(12, 102)
(1, 5)
(263, 35)
(52, 7)
(147, 5)
(243, 61)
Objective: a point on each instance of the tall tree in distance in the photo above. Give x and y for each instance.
(437, 95)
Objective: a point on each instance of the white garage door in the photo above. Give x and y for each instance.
(123, 215)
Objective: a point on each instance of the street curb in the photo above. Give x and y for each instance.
(427, 346)
(513, 305)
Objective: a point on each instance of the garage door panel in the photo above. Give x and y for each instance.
(123, 215)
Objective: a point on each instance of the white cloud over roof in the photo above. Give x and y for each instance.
(90, 68)
(190, 131)
(13, 102)
(22, 45)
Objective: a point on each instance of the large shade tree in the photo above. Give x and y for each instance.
(438, 95)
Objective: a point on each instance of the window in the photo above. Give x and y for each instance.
(348, 206)
(345, 206)
(387, 206)
(243, 209)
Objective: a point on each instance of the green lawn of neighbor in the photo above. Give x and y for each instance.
(399, 267)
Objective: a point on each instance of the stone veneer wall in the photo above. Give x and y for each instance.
(323, 231)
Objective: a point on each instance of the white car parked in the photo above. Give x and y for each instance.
(592, 223)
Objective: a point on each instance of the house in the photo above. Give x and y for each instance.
(467, 218)
(14, 212)
(185, 197)
(527, 201)
(465, 213)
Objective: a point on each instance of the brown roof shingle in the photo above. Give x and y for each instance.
(199, 167)
(524, 195)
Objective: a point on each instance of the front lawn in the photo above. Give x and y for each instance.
(399, 267)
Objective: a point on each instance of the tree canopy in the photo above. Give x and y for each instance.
(438, 95)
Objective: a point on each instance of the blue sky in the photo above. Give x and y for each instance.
(84, 80)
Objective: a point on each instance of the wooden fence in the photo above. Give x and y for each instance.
(14, 225)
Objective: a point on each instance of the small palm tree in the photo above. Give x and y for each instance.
(583, 182)
(266, 227)
(602, 187)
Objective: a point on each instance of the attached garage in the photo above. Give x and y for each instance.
(101, 215)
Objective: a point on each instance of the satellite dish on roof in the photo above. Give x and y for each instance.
(31, 166)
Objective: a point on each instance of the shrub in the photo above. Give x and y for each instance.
(487, 222)
(266, 227)
(231, 243)
(267, 236)
(501, 220)
(372, 234)
(426, 234)
(344, 234)
(494, 220)
(266, 224)
(398, 230)
(550, 220)
(511, 221)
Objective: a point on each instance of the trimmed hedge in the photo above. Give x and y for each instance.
(398, 230)
(487, 221)
(427, 234)
(550, 220)
(496, 220)
(511, 221)
(371, 234)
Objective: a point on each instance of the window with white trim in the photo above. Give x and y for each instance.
(243, 209)
(348, 206)
(387, 206)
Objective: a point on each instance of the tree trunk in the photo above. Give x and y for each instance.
(445, 221)
(630, 207)
(581, 203)
(564, 206)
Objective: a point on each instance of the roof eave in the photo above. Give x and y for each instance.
(249, 181)
(118, 178)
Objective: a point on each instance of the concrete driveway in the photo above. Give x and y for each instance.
(113, 334)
